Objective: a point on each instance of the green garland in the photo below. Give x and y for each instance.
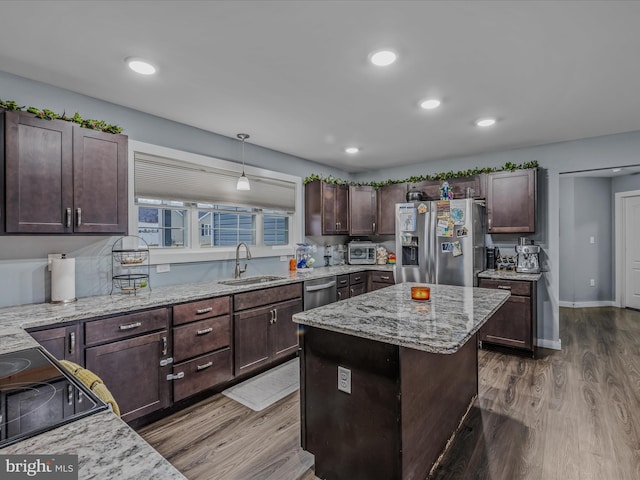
(46, 114)
(509, 166)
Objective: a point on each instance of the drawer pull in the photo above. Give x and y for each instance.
(175, 376)
(204, 331)
(204, 366)
(385, 277)
(356, 279)
(200, 311)
(504, 287)
(130, 326)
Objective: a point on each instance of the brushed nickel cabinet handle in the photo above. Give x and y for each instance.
(69, 394)
(68, 217)
(385, 277)
(203, 366)
(339, 295)
(78, 217)
(204, 310)
(204, 331)
(504, 287)
(130, 326)
(164, 345)
(72, 342)
(275, 315)
(374, 227)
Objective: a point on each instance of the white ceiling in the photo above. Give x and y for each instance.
(295, 75)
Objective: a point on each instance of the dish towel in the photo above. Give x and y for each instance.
(93, 383)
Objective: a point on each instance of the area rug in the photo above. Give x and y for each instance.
(265, 389)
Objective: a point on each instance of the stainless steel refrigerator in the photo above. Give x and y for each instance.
(440, 242)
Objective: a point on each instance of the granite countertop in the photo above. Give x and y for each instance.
(389, 315)
(106, 446)
(510, 275)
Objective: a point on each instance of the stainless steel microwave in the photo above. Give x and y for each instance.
(361, 253)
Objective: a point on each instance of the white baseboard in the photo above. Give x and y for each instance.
(552, 344)
(601, 303)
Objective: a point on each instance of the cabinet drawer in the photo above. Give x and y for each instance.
(212, 307)
(267, 296)
(201, 373)
(516, 287)
(382, 277)
(108, 329)
(343, 281)
(201, 337)
(356, 278)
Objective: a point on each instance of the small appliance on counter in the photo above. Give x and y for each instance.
(361, 253)
(527, 257)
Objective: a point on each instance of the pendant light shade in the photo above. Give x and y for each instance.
(243, 181)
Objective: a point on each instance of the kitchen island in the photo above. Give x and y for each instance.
(386, 380)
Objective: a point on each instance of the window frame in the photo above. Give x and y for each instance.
(194, 252)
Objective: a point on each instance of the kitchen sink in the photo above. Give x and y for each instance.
(251, 280)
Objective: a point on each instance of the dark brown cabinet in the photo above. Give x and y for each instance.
(515, 323)
(61, 178)
(326, 208)
(379, 279)
(387, 197)
(351, 285)
(133, 364)
(61, 342)
(511, 200)
(263, 328)
(362, 210)
(201, 346)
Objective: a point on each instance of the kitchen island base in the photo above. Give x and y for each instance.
(404, 406)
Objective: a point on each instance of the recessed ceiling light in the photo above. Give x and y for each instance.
(352, 150)
(616, 170)
(485, 122)
(140, 66)
(383, 58)
(430, 103)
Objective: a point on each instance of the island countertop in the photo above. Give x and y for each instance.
(442, 325)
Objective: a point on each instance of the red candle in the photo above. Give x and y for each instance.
(420, 293)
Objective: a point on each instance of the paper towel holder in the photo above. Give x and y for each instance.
(65, 290)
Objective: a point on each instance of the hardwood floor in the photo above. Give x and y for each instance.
(572, 415)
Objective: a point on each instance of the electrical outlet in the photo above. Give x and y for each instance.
(344, 380)
(50, 257)
(592, 282)
(592, 239)
(163, 268)
(283, 258)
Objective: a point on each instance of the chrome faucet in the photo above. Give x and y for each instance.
(240, 271)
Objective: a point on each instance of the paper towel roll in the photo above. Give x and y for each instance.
(63, 280)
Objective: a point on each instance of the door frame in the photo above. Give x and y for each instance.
(619, 232)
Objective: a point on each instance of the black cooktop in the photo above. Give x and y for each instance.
(37, 394)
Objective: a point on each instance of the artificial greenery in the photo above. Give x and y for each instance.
(507, 167)
(46, 114)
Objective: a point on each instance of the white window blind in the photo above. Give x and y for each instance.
(170, 179)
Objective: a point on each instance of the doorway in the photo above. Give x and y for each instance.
(627, 235)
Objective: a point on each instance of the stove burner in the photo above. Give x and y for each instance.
(11, 366)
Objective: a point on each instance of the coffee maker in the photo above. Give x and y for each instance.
(527, 261)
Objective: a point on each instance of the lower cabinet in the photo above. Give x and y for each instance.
(379, 279)
(263, 334)
(133, 368)
(514, 324)
(61, 342)
(352, 285)
(201, 373)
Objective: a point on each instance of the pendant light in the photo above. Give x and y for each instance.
(243, 181)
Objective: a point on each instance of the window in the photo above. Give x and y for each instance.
(188, 209)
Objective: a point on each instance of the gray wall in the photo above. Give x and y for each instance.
(625, 183)
(23, 273)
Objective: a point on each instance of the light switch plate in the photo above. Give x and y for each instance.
(344, 380)
(283, 258)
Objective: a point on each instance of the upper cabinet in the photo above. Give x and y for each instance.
(362, 210)
(326, 208)
(387, 197)
(61, 178)
(511, 199)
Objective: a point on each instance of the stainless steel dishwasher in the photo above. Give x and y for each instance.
(320, 291)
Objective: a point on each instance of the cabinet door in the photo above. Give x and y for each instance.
(359, 289)
(61, 342)
(387, 197)
(285, 331)
(313, 223)
(39, 175)
(99, 181)
(329, 219)
(511, 198)
(342, 209)
(510, 325)
(343, 293)
(131, 370)
(251, 339)
(362, 210)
